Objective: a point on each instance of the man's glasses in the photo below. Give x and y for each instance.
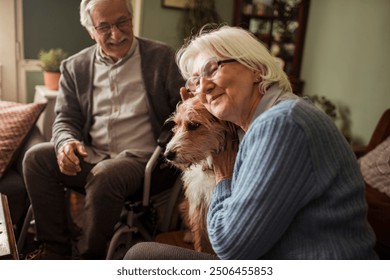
(209, 71)
(105, 28)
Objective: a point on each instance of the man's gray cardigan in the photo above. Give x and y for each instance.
(74, 103)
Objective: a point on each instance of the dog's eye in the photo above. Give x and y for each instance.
(192, 126)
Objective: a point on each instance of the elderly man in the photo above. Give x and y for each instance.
(114, 98)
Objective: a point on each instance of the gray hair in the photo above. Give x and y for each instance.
(236, 43)
(87, 6)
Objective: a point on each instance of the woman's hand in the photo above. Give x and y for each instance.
(223, 160)
(67, 158)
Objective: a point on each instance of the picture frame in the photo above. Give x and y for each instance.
(174, 4)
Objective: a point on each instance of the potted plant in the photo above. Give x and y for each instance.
(50, 62)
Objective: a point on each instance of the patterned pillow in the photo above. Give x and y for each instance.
(16, 121)
(375, 167)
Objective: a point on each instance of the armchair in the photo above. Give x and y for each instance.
(378, 202)
(12, 183)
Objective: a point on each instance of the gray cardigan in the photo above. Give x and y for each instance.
(74, 103)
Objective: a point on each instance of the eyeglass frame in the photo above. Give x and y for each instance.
(110, 26)
(198, 77)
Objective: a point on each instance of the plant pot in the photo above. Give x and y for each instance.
(51, 80)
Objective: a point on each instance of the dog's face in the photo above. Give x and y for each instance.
(197, 133)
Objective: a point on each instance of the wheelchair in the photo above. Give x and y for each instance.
(150, 211)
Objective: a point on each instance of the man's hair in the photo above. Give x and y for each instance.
(87, 6)
(226, 42)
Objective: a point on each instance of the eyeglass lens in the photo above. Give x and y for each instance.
(106, 27)
(209, 70)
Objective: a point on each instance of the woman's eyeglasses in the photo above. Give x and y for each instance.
(105, 28)
(209, 71)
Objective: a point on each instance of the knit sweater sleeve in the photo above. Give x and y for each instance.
(272, 181)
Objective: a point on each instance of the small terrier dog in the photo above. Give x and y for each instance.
(197, 134)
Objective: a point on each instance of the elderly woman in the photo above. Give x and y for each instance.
(294, 190)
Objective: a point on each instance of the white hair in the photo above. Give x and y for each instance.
(87, 6)
(228, 42)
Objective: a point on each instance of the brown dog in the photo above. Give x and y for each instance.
(197, 134)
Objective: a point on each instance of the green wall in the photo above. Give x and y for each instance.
(347, 58)
(53, 24)
(163, 24)
(33, 78)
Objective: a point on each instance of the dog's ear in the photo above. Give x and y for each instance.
(185, 94)
(168, 122)
(166, 133)
(177, 106)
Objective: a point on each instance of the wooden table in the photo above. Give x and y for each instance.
(8, 249)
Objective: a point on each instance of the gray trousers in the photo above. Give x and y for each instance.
(159, 251)
(106, 186)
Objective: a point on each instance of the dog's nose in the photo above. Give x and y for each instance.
(170, 155)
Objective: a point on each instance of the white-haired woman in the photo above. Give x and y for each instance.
(294, 190)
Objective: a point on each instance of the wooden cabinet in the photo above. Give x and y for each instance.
(281, 26)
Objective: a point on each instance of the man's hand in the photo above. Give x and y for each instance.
(67, 159)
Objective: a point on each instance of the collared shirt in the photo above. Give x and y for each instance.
(272, 96)
(121, 123)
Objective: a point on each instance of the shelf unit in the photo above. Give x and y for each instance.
(281, 27)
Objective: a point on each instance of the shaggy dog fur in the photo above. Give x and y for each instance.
(197, 134)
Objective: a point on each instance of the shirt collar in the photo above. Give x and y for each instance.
(108, 61)
(271, 96)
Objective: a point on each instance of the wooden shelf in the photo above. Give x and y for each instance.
(270, 28)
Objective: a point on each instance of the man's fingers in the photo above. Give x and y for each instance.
(67, 159)
(67, 166)
(81, 150)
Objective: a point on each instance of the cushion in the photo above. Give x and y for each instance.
(16, 122)
(375, 167)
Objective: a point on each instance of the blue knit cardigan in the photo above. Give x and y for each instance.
(296, 192)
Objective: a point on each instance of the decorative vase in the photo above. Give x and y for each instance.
(52, 80)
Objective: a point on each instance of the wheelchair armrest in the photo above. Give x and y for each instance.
(148, 174)
(165, 136)
(166, 133)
